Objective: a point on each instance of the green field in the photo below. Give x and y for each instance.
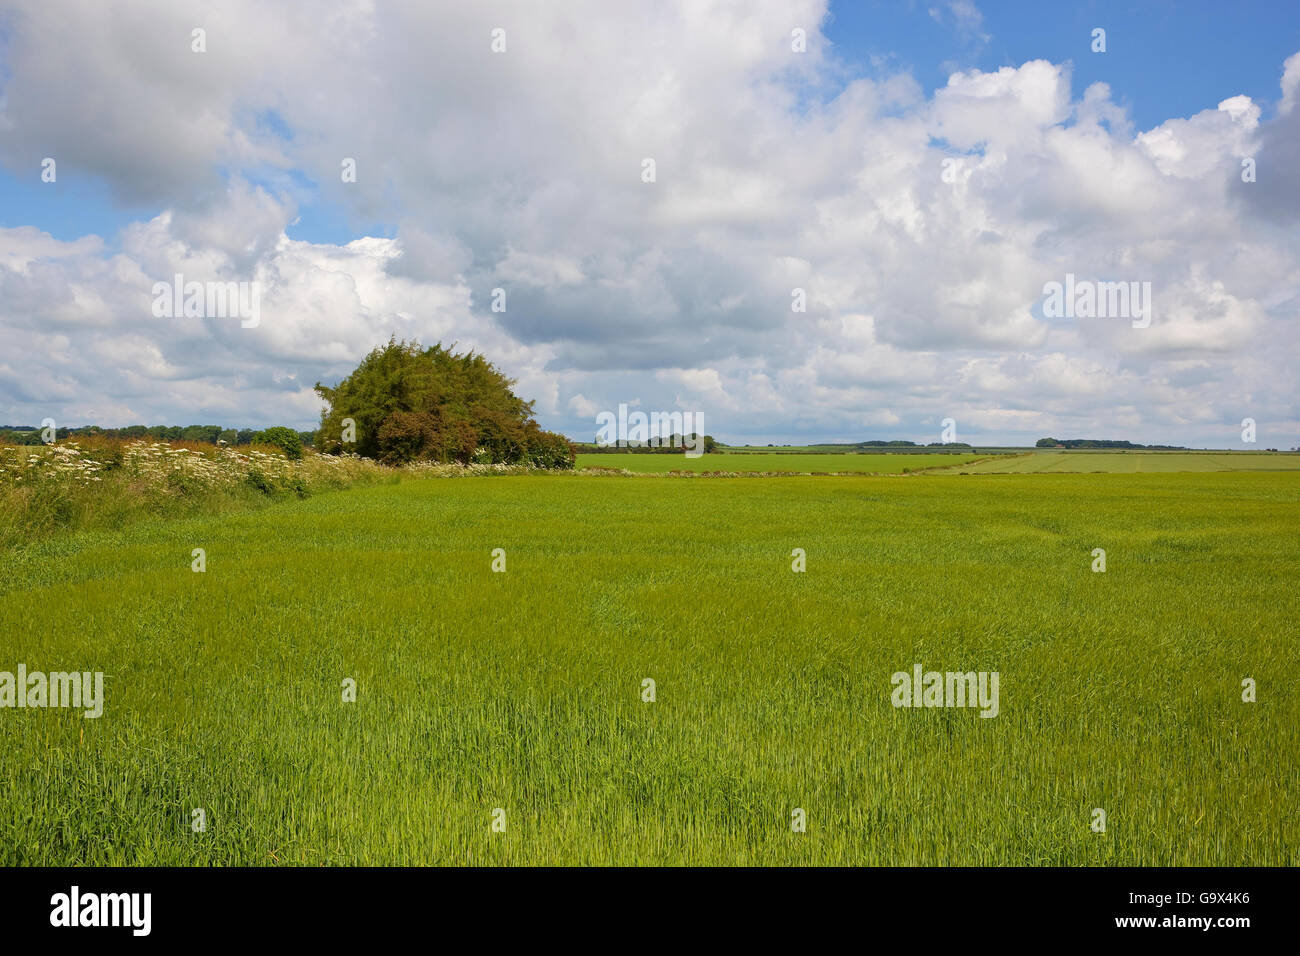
(786, 462)
(983, 463)
(522, 690)
(833, 450)
(1131, 462)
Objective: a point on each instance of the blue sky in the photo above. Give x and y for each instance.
(777, 172)
(1162, 59)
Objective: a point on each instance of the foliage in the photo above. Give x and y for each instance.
(407, 403)
(103, 484)
(285, 439)
(1101, 443)
(202, 434)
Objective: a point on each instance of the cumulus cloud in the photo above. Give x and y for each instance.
(920, 229)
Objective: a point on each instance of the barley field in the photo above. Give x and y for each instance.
(775, 463)
(1127, 463)
(517, 696)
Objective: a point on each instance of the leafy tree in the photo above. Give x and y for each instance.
(408, 403)
(285, 439)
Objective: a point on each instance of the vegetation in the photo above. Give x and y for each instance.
(873, 448)
(776, 463)
(1128, 462)
(285, 439)
(106, 484)
(405, 403)
(522, 690)
(203, 434)
(100, 485)
(1100, 443)
(674, 444)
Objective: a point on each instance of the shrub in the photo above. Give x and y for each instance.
(258, 480)
(285, 439)
(407, 436)
(405, 403)
(550, 450)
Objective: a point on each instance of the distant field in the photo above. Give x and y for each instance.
(886, 464)
(1131, 462)
(522, 690)
(834, 450)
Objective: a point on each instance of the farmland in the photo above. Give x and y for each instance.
(1002, 462)
(776, 462)
(1128, 463)
(523, 690)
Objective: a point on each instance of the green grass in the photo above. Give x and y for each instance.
(833, 450)
(522, 690)
(886, 464)
(1132, 462)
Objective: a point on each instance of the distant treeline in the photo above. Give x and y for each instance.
(673, 445)
(1102, 443)
(210, 434)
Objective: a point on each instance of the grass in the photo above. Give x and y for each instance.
(835, 450)
(109, 483)
(777, 462)
(1131, 462)
(521, 690)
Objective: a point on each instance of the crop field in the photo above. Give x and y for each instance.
(829, 450)
(798, 463)
(1130, 462)
(519, 695)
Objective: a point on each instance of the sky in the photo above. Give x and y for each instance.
(855, 217)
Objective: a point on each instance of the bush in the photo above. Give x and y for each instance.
(405, 403)
(549, 450)
(258, 480)
(285, 439)
(407, 436)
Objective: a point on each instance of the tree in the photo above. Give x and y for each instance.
(285, 439)
(407, 403)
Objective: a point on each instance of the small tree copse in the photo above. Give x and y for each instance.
(285, 439)
(411, 403)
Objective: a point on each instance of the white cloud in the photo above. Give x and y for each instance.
(522, 171)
